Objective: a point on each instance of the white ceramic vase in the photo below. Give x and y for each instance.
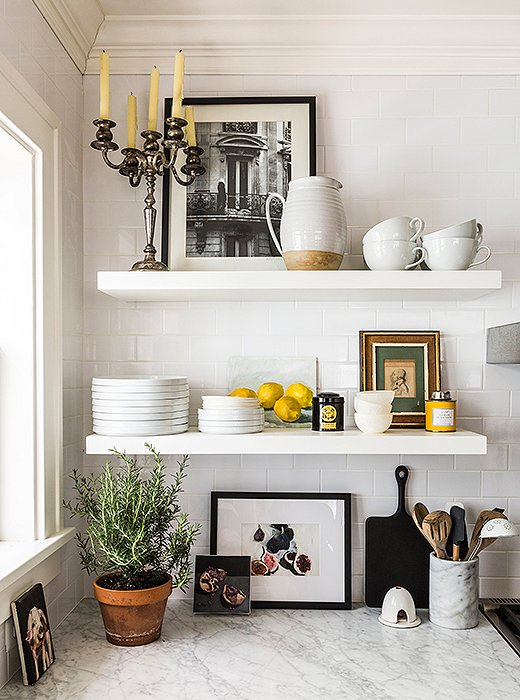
(313, 228)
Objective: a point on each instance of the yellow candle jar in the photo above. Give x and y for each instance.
(441, 413)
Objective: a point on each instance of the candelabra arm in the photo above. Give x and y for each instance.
(182, 182)
(107, 160)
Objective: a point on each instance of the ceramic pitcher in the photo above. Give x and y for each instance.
(313, 229)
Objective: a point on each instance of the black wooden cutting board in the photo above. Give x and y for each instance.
(396, 554)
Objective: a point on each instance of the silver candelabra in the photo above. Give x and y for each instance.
(150, 162)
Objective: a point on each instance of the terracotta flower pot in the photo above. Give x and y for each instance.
(132, 618)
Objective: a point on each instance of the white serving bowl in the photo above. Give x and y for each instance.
(377, 396)
(231, 414)
(231, 430)
(373, 424)
(371, 408)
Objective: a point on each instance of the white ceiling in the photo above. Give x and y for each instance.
(291, 36)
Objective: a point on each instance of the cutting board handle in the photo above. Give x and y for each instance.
(401, 476)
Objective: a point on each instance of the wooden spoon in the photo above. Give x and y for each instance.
(482, 519)
(419, 512)
(436, 527)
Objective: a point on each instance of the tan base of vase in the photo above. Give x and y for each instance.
(132, 618)
(312, 260)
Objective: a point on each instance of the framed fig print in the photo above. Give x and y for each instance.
(253, 146)
(407, 362)
(299, 544)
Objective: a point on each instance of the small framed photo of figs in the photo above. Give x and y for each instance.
(222, 585)
(299, 545)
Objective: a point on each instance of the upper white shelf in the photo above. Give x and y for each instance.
(283, 285)
(298, 441)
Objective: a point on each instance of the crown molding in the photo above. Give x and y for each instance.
(311, 44)
(75, 25)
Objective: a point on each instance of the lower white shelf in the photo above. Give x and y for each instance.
(297, 441)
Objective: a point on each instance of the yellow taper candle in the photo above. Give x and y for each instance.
(104, 87)
(178, 78)
(190, 129)
(153, 103)
(132, 119)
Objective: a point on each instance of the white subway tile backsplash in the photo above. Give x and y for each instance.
(457, 103)
(453, 484)
(500, 483)
(382, 131)
(293, 480)
(427, 130)
(407, 103)
(459, 158)
(479, 403)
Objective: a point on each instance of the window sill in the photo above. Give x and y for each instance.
(25, 563)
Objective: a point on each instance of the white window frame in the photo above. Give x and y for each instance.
(23, 563)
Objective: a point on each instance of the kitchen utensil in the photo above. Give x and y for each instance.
(454, 253)
(392, 255)
(436, 526)
(483, 516)
(490, 532)
(365, 407)
(419, 512)
(401, 228)
(396, 554)
(453, 593)
(313, 228)
(457, 544)
(398, 609)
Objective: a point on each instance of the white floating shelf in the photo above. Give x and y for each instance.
(298, 441)
(283, 285)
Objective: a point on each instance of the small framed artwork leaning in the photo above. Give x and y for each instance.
(253, 146)
(407, 362)
(299, 544)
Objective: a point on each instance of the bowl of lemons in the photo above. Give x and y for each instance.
(289, 406)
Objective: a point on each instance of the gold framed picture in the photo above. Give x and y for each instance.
(407, 362)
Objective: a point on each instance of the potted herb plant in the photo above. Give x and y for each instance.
(138, 542)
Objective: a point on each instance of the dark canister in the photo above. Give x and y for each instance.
(328, 411)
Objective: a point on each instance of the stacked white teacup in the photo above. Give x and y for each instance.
(455, 247)
(392, 244)
(373, 411)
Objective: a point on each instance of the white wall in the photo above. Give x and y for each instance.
(444, 148)
(33, 49)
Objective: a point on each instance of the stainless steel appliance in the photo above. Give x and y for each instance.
(504, 615)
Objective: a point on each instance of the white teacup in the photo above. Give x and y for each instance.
(398, 228)
(467, 229)
(453, 253)
(392, 255)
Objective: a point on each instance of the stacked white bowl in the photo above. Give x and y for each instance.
(231, 415)
(144, 405)
(373, 410)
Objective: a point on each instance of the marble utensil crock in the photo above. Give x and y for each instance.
(454, 593)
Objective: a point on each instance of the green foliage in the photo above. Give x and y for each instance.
(134, 525)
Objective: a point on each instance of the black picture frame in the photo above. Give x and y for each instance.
(167, 252)
(344, 602)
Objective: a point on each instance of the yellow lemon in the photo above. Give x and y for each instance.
(245, 393)
(301, 393)
(288, 409)
(269, 393)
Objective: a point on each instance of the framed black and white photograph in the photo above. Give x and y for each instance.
(299, 544)
(33, 634)
(253, 146)
(222, 585)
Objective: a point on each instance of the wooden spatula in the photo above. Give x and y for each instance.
(419, 512)
(436, 527)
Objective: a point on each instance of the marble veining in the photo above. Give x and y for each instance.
(289, 654)
(454, 593)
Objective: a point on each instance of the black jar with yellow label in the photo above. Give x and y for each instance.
(328, 412)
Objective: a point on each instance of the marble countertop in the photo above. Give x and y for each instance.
(273, 654)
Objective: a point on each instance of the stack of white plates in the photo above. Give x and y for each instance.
(230, 415)
(140, 405)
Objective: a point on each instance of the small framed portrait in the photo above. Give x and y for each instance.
(299, 545)
(253, 146)
(222, 585)
(406, 362)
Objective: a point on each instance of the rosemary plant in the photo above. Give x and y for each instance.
(135, 532)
